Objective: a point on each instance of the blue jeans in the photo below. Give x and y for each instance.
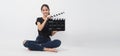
(41, 42)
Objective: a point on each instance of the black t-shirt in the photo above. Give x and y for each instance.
(45, 31)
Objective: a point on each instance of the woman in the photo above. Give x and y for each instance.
(43, 41)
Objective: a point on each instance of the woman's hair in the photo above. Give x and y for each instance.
(45, 6)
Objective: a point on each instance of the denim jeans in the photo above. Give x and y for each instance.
(42, 42)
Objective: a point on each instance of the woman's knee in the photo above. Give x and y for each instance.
(57, 42)
(26, 43)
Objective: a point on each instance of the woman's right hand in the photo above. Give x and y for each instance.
(49, 16)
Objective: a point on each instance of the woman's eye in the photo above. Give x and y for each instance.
(46, 10)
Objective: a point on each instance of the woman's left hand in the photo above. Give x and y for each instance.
(53, 32)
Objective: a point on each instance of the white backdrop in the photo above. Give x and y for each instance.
(88, 22)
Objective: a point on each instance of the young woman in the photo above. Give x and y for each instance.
(43, 41)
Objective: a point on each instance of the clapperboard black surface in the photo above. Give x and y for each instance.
(56, 24)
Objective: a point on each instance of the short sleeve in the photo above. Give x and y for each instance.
(39, 19)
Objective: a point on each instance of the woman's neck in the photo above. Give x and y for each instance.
(44, 17)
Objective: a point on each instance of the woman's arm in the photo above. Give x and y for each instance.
(41, 26)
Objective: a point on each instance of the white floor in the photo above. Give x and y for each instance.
(15, 48)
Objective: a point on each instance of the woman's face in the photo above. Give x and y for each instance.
(45, 11)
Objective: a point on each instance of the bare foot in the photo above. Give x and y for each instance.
(50, 49)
